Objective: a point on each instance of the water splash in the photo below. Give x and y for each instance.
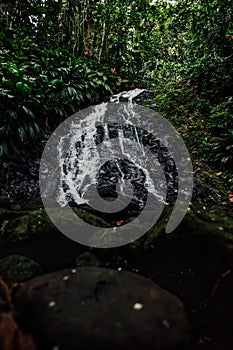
(126, 96)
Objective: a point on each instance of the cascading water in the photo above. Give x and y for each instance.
(83, 170)
(115, 158)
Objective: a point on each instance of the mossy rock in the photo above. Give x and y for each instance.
(199, 221)
(18, 268)
(38, 223)
(27, 226)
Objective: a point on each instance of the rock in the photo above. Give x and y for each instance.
(27, 226)
(38, 223)
(100, 308)
(19, 268)
(16, 207)
(87, 259)
(199, 221)
(33, 204)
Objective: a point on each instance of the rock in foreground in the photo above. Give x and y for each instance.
(98, 308)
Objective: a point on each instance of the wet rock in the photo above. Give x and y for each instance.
(19, 268)
(27, 226)
(16, 207)
(87, 259)
(100, 308)
(38, 223)
(33, 204)
(199, 221)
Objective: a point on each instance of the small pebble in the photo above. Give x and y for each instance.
(52, 303)
(65, 278)
(73, 271)
(119, 268)
(138, 306)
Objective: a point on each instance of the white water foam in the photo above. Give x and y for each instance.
(83, 165)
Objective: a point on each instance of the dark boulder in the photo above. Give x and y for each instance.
(98, 308)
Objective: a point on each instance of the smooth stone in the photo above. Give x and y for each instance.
(99, 308)
(87, 259)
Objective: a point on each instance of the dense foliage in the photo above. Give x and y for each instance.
(39, 91)
(60, 55)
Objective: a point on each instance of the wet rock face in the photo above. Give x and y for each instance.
(99, 308)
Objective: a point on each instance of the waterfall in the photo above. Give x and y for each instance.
(92, 141)
(116, 158)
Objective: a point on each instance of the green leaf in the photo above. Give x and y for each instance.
(22, 133)
(28, 111)
(22, 86)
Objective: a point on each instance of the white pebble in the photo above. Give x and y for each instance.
(138, 306)
(52, 303)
